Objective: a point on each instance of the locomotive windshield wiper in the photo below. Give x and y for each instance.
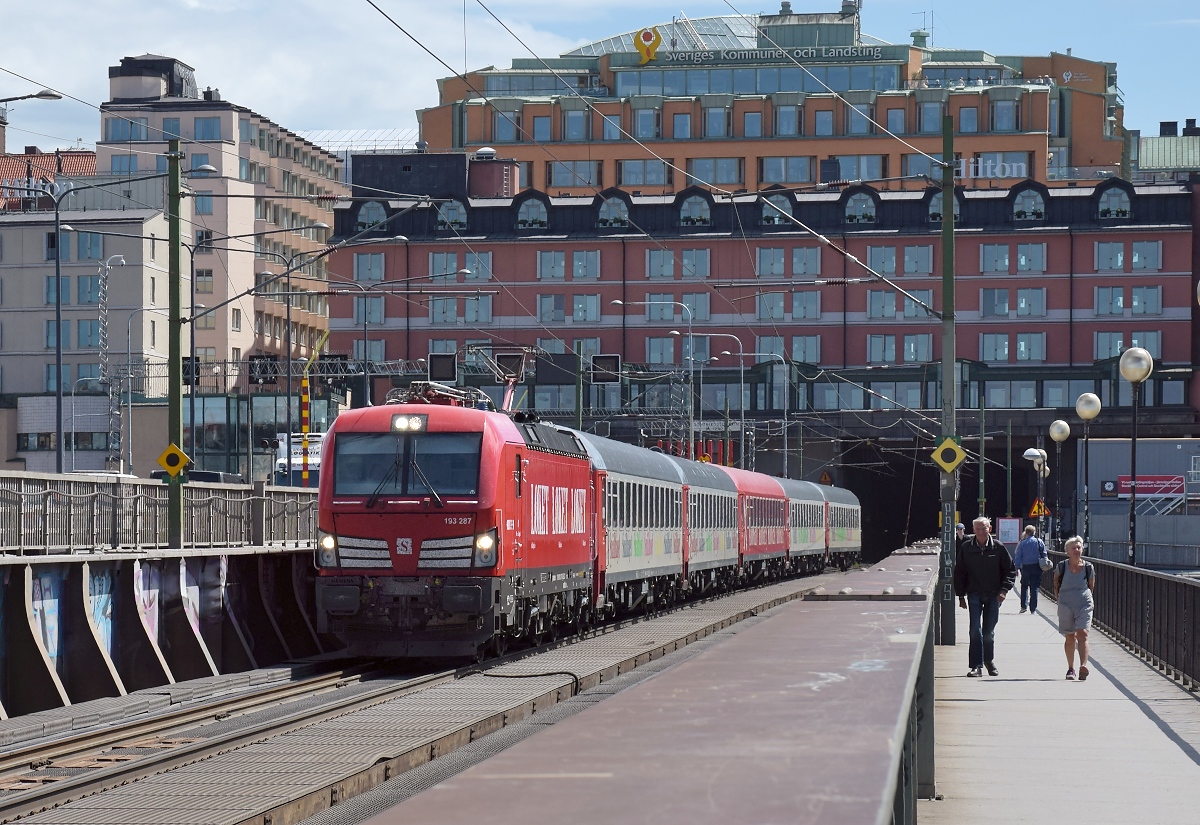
(388, 476)
(437, 499)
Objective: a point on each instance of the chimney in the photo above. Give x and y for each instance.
(920, 38)
(1190, 129)
(850, 7)
(32, 150)
(785, 7)
(1168, 128)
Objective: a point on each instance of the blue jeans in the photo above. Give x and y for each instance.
(984, 612)
(1031, 580)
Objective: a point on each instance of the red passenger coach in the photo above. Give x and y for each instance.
(764, 523)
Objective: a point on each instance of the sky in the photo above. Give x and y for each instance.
(308, 64)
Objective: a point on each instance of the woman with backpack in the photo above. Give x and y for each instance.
(1074, 586)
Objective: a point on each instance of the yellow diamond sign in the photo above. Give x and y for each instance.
(948, 455)
(173, 460)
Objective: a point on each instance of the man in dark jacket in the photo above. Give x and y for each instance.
(983, 575)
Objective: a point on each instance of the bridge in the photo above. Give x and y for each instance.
(820, 699)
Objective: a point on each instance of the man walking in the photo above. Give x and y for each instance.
(1030, 552)
(983, 575)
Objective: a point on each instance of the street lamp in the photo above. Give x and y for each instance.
(691, 369)
(44, 94)
(1060, 431)
(1042, 468)
(1087, 407)
(1136, 366)
(703, 362)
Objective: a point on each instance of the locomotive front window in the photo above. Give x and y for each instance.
(367, 464)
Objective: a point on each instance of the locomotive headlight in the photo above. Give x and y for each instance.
(485, 549)
(409, 423)
(327, 549)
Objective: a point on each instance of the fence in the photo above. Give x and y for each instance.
(1154, 614)
(1152, 555)
(43, 514)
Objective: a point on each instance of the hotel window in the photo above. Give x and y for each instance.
(861, 167)
(202, 202)
(573, 173)
(968, 120)
(787, 121)
(369, 214)
(1006, 116)
(764, 347)
(1148, 340)
(505, 127)
(170, 129)
(1110, 300)
(929, 118)
(1114, 203)
(551, 308)
(914, 310)
(993, 303)
(860, 208)
(711, 171)
(531, 214)
(681, 126)
(918, 260)
(1147, 300)
(695, 263)
(123, 164)
(204, 281)
(660, 306)
(66, 385)
(806, 349)
(372, 305)
(1031, 302)
(1110, 257)
(752, 124)
(575, 125)
(1147, 255)
(644, 173)
(895, 121)
(645, 123)
(90, 245)
(1029, 206)
(775, 210)
(770, 306)
(769, 263)
(585, 264)
(806, 305)
(451, 215)
(882, 259)
(88, 289)
(207, 128)
(993, 347)
(611, 129)
(1031, 257)
(477, 309)
(660, 263)
(695, 212)
(1031, 346)
(613, 212)
(552, 265)
(541, 129)
(716, 121)
(785, 170)
(89, 334)
(64, 332)
(935, 208)
(660, 350)
(443, 267)
(1001, 165)
(858, 120)
(1109, 344)
(368, 266)
(993, 257)
(555, 346)
(700, 305)
(702, 347)
(823, 123)
(918, 348)
(881, 349)
(881, 303)
(375, 350)
(806, 260)
(586, 347)
(443, 310)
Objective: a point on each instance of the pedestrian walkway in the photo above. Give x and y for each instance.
(1029, 746)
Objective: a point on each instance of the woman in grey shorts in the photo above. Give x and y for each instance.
(1074, 584)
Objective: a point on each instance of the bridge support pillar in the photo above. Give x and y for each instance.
(139, 660)
(247, 597)
(184, 647)
(31, 681)
(90, 672)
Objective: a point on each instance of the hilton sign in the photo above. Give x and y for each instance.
(980, 168)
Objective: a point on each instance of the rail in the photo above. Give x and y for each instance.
(44, 514)
(1155, 556)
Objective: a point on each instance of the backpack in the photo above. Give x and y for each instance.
(1089, 571)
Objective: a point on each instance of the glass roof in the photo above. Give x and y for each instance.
(728, 32)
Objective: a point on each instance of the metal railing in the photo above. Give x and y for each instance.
(50, 514)
(1153, 556)
(1153, 614)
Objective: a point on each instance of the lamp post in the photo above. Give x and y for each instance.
(1136, 366)
(783, 361)
(1038, 456)
(44, 94)
(691, 369)
(1060, 431)
(1087, 407)
(741, 391)
(703, 362)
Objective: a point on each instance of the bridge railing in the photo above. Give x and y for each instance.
(1154, 614)
(48, 514)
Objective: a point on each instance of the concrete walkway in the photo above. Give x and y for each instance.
(1029, 746)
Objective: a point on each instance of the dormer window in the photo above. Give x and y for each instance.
(775, 209)
(452, 215)
(1114, 203)
(860, 208)
(695, 212)
(1029, 206)
(613, 212)
(370, 214)
(532, 215)
(935, 209)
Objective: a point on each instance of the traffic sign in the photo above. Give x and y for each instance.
(826, 479)
(1038, 509)
(173, 460)
(948, 455)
